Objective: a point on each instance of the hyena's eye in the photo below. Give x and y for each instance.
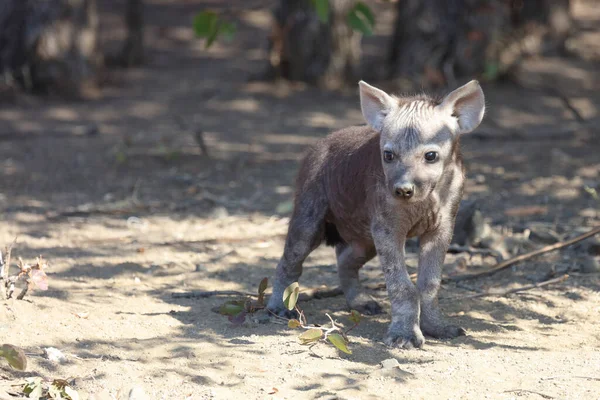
(431, 156)
(388, 156)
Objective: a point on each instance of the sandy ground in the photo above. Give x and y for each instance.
(134, 213)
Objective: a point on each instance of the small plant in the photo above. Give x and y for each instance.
(210, 25)
(592, 192)
(237, 310)
(314, 333)
(14, 355)
(33, 275)
(57, 389)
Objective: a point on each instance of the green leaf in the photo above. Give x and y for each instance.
(364, 9)
(212, 37)
(227, 29)
(322, 8)
(232, 308)
(338, 341)
(355, 317)
(491, 71)
(293, 323)
(205, 23)
(14, 355)
(290, 295)
(361, 19)
(310, 336)
(285, 207)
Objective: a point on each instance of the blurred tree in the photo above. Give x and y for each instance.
(132, 53)
(436, 41)
(49, 45)
(314, 42)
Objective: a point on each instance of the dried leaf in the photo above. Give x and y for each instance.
(293, 323)
(310, 336)
(273, 391)
(290, 295)
(338, 341)
(526, 211)
(238, 319)
(83, 314)
(40, 279)
(261, 290)
(355, 317)
(14, 355)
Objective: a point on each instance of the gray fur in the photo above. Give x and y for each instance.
(347, 194)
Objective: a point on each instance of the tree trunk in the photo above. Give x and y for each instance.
(132, 53)
(302, 48)
(436, 42)
(49, 45)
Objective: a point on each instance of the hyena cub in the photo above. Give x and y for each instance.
(366, 189)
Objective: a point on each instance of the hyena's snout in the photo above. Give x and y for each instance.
(404, 190)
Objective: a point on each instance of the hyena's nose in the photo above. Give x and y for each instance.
(405, 190)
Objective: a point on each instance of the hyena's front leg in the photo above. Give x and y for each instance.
(433, 248)
(404, 330)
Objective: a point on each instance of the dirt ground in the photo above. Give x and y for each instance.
(116, 194)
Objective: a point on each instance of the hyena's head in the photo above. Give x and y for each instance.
(419, 135)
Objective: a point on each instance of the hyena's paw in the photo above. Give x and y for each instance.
(408, 339)
(442, 331)
(282, 312)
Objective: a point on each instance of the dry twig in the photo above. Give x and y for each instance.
(545, 396)
(504, 292)
(199, 294)
(510, 262)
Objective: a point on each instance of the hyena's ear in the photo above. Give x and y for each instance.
(375, 104)
(467, 105)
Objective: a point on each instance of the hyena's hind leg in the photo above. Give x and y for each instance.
(305, 233)
(350, 260)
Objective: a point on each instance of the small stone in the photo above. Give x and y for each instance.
(55, 355)
(390, 363)
(218, 212)
(590, 265)
(543, 236)
(260, 317)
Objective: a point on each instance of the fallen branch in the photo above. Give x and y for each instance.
(198, 294)
(510, 262)
(5, 282)
(456, 249)
(504, 292)
(545, 396)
